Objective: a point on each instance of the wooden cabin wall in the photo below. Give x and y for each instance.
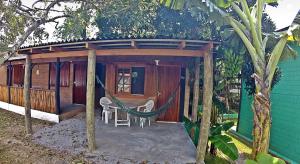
(40, 76)
(3, 75)
(168, 80)
(66, 91)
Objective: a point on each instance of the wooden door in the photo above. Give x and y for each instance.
(79, 88)
(168, 80)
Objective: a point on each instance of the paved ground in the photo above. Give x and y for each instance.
(159, 143)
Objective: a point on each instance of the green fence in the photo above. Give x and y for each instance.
(285, 99)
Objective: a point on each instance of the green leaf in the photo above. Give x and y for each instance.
(271, 1)
(225, 145)
(248, 161)
(263, 158)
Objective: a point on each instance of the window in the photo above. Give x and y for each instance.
(18, 75)
(130, 80)
(64, 74)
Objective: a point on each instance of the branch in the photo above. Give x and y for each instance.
(274, 59)
(255, 39)
(241, 15)
(250, 48)
(260, 4)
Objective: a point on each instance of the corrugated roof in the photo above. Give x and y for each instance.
(114, 38)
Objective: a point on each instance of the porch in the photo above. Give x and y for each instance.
(43, 103)
(155, 144)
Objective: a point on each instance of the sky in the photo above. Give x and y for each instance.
(283, 15)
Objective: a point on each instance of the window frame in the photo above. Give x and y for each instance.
(128, 66)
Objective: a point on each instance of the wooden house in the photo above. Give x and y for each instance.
(133, 70)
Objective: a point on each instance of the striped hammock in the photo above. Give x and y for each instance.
(133, 111)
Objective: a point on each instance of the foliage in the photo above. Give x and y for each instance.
(75, 27)
(131, 18)
(263, 158)
(222, 142)
(246, 20)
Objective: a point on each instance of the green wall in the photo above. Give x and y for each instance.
(285, 99)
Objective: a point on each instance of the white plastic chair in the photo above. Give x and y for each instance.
(145, 108)
(107, 108)
(106, 103)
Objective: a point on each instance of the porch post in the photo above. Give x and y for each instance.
(9, 81)
(26, 94)
(57, 86)
(207, 104)
(187, 93)
(196, 90)
(90, 100)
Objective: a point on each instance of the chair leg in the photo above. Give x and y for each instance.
(102, 115)
(149, 121)
(128, 119)
(116, 118)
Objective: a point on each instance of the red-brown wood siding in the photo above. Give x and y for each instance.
(3, 73)
(64, 74)
(18, 75)
(168, 80)
(79, 89)
(40, 76)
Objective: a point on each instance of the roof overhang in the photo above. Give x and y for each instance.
(159, 47)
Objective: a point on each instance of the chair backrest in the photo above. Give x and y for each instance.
(149, 106)
(105, 102)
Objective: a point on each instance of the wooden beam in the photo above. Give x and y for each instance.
(54, 48)
(149, 52)
(207, 105)
(182, 45)
(123, 52)
(187, 93)
(35, 51)
(90, 46)
(26, 93)
(196, 90)
(90, 100)
(57, 86)
(207, 47)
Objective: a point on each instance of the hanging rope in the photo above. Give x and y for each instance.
(133, 111)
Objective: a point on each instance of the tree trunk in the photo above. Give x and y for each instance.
(26, 92)
(207, 105)
(187, 93)
(227, 94)
(196, 90)
(90, 100)
(262, 121)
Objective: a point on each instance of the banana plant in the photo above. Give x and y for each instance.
(246, 21)
(216, 137)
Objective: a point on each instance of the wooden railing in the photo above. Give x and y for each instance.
(3, 93)
(42, 100)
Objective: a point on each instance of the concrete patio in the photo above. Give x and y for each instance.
(159, 143)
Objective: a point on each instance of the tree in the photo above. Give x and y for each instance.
(76, 26)
(247, 23)
(19, 22)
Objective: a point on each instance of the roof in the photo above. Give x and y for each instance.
(117, 43)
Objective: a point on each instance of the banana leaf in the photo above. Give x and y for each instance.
(225, 145)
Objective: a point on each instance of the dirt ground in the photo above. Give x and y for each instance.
(16, 148)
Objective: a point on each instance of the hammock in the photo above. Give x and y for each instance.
(133, 111)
